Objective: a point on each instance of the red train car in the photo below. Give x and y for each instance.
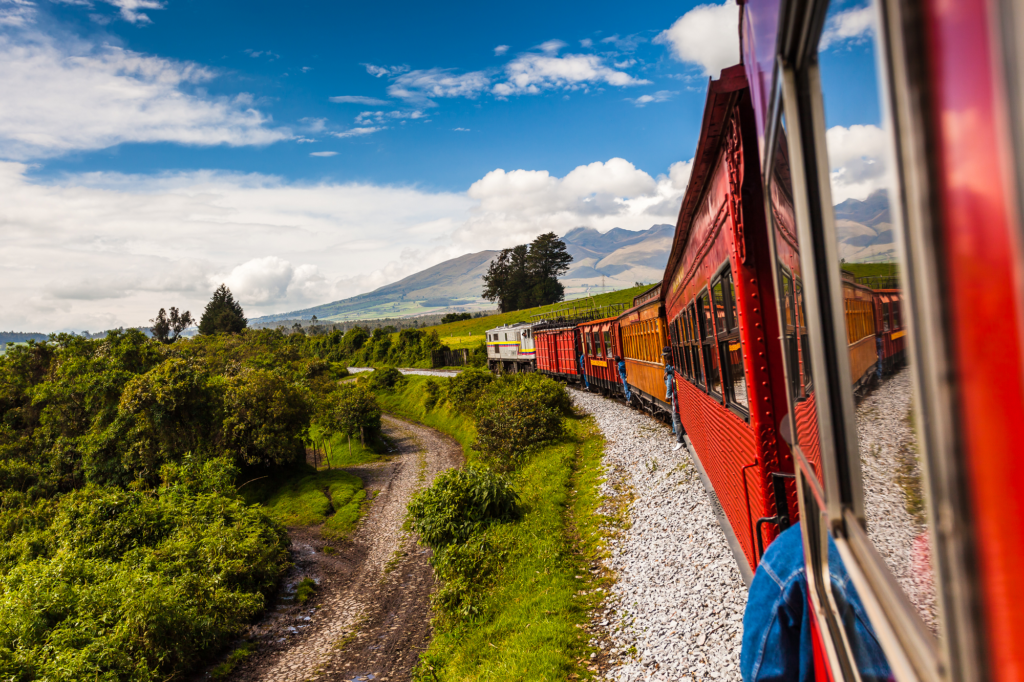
(600, 345)
(719, 303)
(558, 350)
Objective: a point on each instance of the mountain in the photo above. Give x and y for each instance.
(864, 229)
(613, 260)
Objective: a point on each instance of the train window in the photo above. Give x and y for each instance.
(694, 344)
(879, 457)
(718, 299)
(710, 351)
(730, 348)
(897, 323)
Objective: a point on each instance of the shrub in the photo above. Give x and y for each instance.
(544, 390)
(464, 389)
(510, 423)
(265, 416)
(305, 590)
(431, 392)
(460, 503)
(385, 378)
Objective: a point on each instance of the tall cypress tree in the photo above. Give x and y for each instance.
(223, 314)
(527, 275)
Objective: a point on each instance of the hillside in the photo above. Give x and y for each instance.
(864, 229)
(602, 262)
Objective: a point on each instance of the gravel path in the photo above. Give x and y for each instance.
(420, 372)
(372, 609)
(679, 598)
(892, 481)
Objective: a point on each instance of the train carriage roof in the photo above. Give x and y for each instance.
(722, 95)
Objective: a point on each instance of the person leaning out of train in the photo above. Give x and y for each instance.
(777, 639)
(670, 393)
(583, 370)
(621, 364)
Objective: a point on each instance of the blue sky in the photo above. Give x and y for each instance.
(310, 151)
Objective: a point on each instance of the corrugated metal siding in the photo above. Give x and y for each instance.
(725, 444)
(805, 414)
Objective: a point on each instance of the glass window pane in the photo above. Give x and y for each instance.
(870, 273)
(718, 299)
(737, 379)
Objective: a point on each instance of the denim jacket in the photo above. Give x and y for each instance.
(777, 643)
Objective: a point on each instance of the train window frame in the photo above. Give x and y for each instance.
(694, 345)
(607, 334)
(726, 339)
(961, 652)
(708, 341)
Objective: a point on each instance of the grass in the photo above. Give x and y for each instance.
(470, 341)
(872, 269)
(242, 652)
(530, 619)
(305, 590)
(340, 454)
(307, 497)
(480, 325)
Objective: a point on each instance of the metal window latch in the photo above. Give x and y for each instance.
(781, 518)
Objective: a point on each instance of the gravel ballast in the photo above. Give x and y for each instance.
(678, 601)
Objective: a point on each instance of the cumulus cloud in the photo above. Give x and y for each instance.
(17, 13)
(659, 96)
(358, 99)
(323, 153)
(99, 250)
(854, 24)
(70, 95)
(422, 86)
(380, 117)
(378, 71)
(358, 132)
(500, 50)
(531, 73)
(707, 35)
(857, 161)
(130, 10)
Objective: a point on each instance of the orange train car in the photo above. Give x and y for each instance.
(643, 337)
(600, 344)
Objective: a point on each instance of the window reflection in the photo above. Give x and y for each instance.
(870, 273)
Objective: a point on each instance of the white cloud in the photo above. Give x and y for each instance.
(500, 50)
(422, 86)
(659, 96)
(99, 250)
(306, 69)
(378, 71)
(587, 42)
(130, 10)
(323, 153)
(707, 35)
(853, 24)
(380, 117)
(358, 99)
(551, 46)
(461, 130)
(17, 13)
(532, 73)
(358, 132)
(266, 53)
(70, 95)
(627, 44)
(856, 157)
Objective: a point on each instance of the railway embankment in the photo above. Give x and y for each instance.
(675, 611)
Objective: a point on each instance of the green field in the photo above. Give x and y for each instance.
(872, 269)
(478, 326)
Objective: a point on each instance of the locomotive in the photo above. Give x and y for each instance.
(776, 348)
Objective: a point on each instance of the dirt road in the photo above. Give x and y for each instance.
(370, 617)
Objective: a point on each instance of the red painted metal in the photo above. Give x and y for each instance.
(556, 351)
(982, 260)
(722, 221)
(600, 365)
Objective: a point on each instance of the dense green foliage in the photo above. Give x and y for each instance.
(382, 347)
(456, 317)
(527, 275)
(514, 589)
(126, 552)
(462, 502)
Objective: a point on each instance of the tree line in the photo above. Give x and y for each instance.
(527, 275)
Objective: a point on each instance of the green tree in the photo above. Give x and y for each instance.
(356, 411)
(548, 260)
(167, 328)
(527, 275)
(223, 314)
(265, 417)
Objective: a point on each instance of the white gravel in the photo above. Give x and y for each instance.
(420, 372)
(679, 598)
(888, 448)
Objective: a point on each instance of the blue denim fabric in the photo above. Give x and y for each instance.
(622, 375)
(777, 641)
(670, 392)
(583, 370)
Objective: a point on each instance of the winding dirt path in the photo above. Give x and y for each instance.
(370, 618)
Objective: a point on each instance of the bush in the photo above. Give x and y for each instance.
(544, 390)
(510, 423)
(431, 392)
(464, 389)
(266, 416)
(385, 378)
(460, 503)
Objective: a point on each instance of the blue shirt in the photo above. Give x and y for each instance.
(670, 378)
(777, 644)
